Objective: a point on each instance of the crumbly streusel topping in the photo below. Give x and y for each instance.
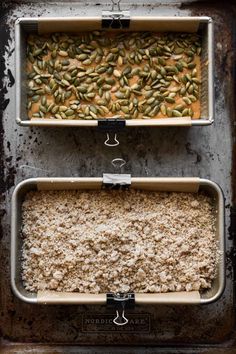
(100, 241)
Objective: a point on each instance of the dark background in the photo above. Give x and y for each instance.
(207, 152)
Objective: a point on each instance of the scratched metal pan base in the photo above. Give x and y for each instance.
(158, 184)
(202, 25)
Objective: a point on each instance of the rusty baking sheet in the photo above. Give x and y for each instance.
(207, 153)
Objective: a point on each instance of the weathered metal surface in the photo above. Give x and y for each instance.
(204, 152)
(47, 349)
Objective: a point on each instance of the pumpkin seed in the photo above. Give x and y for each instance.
(182, 91)
(107, 96)
(113, 108)
(190, 53)
(176, 79)
(31, 75)
(176, 113)
(90, 88)
(190, 89)
(67, 76)
(163, 71)
(55, 109)
(163, 109)
(165, 94)
(151, 100)
(172, 68)
(192, 98)
(58, 98)
(196, 81)
(63, 108)
(179, 107)
(191, 65)
(119, 94)
(127, 70)
(106, 87)
(147, 110)
(185, 112)
(39, 91)
(87, 62)
(35, 98)
(169, 99)
(155, 111)
(101, 69)
(148, 94)
(63, 53)
(93, 114)
(31, 58)
(125, 109)
(93, 109)
(179, 50)
(36, 69)
(73, 106)
(38, 81)
(158, 96)
(54, 54)
(110, 81)
(184, 79)
(168, 71)
(117, 73)
(82, 89)
(63, 115)
(169, 112)
(110, 70)
(43, 109)
(120, 60)
(69, 112)
(179, 66)
(187, 100)
(51, 105)
(37, 52)
(65, 82)
(91, 95)
(190, 112)
(43, 100)
(101, 102)
(199, 50)
(68, 94)
(110, 57)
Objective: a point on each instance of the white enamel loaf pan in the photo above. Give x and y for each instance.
(158, 184)
(203, 25)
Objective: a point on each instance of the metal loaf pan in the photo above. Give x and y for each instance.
(203, 25)
(159, 184)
